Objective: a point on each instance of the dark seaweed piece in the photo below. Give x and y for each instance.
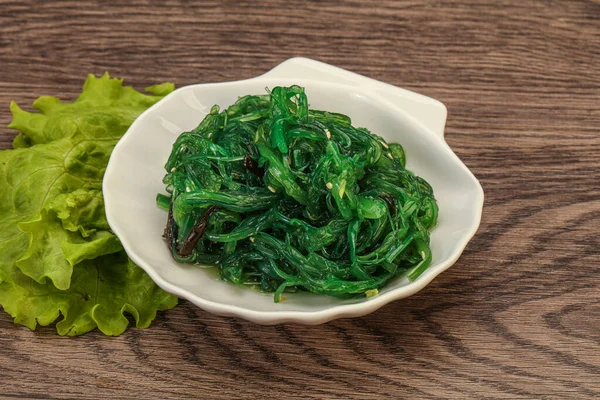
(196, 233)
(251, 165)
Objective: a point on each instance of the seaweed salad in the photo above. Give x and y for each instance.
(288, 198)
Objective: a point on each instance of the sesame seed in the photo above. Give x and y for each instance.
(342, 189)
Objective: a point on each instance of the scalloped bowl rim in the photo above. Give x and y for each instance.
(354, 309)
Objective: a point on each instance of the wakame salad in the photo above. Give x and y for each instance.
(288, 198)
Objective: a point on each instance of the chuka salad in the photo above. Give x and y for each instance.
(288, 198)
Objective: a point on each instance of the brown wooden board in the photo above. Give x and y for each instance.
(516, 317)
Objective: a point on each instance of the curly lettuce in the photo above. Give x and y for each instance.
(58, 255)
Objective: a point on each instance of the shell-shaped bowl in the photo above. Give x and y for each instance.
(136, 168)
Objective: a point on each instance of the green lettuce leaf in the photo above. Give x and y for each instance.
(101, 292)
(53, 251)
(70, 147)
(105, 108)
(53, 227)
(81, 210)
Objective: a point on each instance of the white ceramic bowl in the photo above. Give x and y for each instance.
(135, 171)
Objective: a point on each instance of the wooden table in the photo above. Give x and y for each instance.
(516, 317)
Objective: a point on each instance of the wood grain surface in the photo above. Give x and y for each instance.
(516, 317)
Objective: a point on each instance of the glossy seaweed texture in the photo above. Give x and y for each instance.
(288, 198)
